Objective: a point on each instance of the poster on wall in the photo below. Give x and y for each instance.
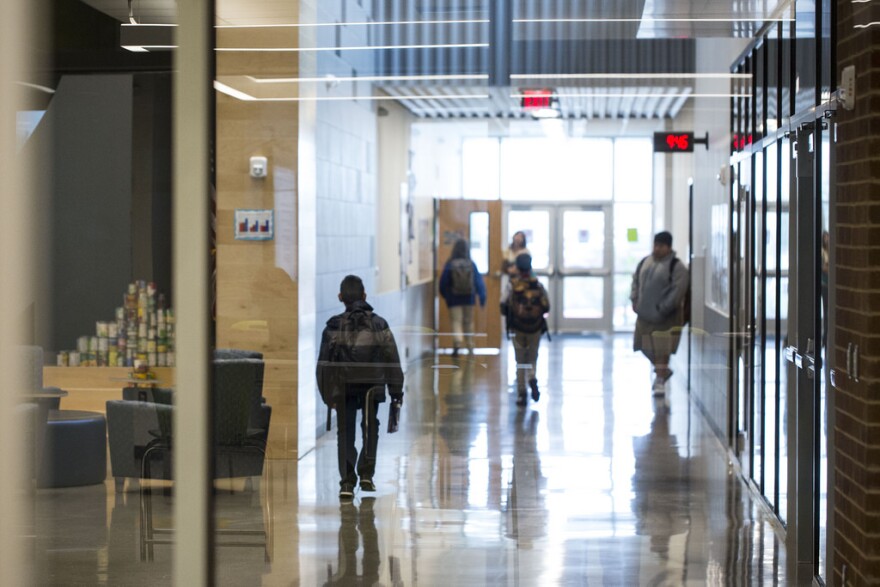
(718, 287)
(254, 225)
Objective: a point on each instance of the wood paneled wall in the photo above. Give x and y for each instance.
(256, 281)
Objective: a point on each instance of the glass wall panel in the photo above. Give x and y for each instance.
(805, 56)
(549, 169)
(760, 89)
(633, 170)
(785, 190)
(479, 168)
(760, 338)
(773, 72)
(479, 240)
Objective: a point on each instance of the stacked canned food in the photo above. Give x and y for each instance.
(141, 334)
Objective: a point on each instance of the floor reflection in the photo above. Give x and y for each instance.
(596, 484)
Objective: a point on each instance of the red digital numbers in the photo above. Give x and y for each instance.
(678, 142)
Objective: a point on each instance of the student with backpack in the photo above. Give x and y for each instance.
(357, 361)
(460, 286)
(525, 306)
(660, 298)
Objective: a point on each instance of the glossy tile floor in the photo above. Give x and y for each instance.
(596, 484)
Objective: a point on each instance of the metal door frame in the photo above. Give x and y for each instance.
(554, 274)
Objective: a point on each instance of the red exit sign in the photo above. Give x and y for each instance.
(673, 142)
(535, 99)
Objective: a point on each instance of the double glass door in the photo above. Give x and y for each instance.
(572, 254)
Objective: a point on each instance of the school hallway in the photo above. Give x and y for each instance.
(598, 483)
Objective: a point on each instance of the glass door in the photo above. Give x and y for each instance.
(572, 255)
(584, 258)
(806, 348)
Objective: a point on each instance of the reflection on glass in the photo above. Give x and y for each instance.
(624, 317)
(583, 239)
(549, 169)
(784, 198)
(536, 226)
(583, 297)
(633, 170)
(759, 340)
(632, 235)
(825, 255)
(479, 168)
(478, 235)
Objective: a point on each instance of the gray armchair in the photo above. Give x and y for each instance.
(134, 425)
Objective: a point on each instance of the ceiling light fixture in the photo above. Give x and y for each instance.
(368, 78)
(364, 23)
(356, 48)
(230, 91)
(537, 76)
(147, 37)
(648, 95)
(647, 20)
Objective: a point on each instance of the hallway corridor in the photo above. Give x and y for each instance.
(596, 484)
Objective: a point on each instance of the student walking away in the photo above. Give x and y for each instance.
(659, 287)
(357, 361)
(526, 305)
(460, 285)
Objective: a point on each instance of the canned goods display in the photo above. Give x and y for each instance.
(142, 328)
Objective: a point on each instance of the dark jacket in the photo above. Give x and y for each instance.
(389, 359)
(462, 300)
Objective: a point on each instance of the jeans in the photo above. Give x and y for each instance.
(351, 464)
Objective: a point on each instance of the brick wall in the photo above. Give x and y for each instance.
(856, 536)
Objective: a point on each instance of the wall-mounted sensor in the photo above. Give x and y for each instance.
(259, 167)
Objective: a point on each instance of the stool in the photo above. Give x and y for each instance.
(75, 451)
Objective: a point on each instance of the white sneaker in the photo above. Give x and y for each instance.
(659, 387)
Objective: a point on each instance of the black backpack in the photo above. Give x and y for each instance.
(356, 351)
(462, 273)
(527, 305)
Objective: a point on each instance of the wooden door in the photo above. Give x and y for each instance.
(478, 221)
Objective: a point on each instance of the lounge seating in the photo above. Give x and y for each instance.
(239, 451)
(135, 424)
(75, 451)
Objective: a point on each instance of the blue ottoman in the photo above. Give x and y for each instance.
(75, 451)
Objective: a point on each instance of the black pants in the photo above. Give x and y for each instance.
(351, 464)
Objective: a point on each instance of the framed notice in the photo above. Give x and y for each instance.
(255, 225)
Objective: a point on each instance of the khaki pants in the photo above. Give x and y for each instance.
(657, 341)
(525, 349)
(462, 325)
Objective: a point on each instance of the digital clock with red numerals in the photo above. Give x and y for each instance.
(673, 142)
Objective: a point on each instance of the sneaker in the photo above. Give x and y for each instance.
(522, 400)
(659, 387)
(367, 484)
(346, 491)
(533, 383)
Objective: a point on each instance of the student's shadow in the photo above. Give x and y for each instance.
(356, 525)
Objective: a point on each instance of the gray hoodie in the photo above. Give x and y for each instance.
(656, 296)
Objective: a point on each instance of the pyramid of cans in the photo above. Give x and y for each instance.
(141, 335)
